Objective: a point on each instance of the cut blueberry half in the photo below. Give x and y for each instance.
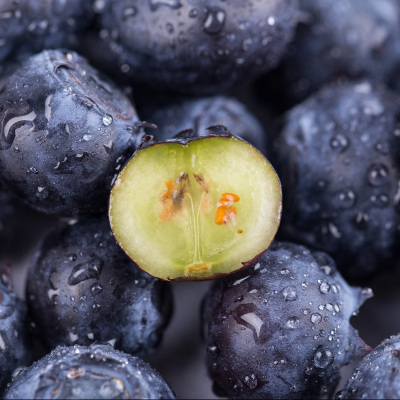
(196, 209)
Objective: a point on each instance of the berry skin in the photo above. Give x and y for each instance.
(280, 329)
(15, 346)
(200, 114)
(64, 134)
(337, 157)
(29, 26)
(81, 288)
(94, 372)
(377, 375)
(189, 48)
(356, 39)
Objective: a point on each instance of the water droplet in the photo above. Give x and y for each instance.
(254, 320)
(250, 381)
(174, 4)
(32, 170)
(193, 13)
(346, 199)
(381, 200)
(323, 357)
(96, 289)
(382, 147)
(87, 137)
(271, 21)
(377, 174)
(129, 12)
(340, 143)
(99, 5)
(96, 307)
(214, 22)
(213, 351)
(285, 271)
(109, 146)
(293, 323)
(41, 193)
(107, 119)
(324, 287)
(84, 271)
(316, 318)
(289, 293)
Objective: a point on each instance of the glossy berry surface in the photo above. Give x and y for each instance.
(193, 46)
(377, 375)
(82, 288)
(338, 162)
(280, 329)
(15, 346)
(64, 134)
(94, 372)
(196, 209)
(200, 114)
(355, 39)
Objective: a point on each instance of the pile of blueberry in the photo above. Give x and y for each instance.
(87, 84)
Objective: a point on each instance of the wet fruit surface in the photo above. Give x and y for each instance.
(345, 202)
(64, 134)
(377, 375)
(200, 208)
(15, 345)
(280, 329)
(80, 372)
(82, 288)
(192, 46)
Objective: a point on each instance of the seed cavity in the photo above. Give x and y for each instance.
(226, 212)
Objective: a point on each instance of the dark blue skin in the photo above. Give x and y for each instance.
(64, 134)
(280, 329)
(200, 114)
(15, 346)
(8, 218)
(29, 26)
(82, 288)
(186, 46)
(355, 39)
(377, 375)
(94, 372)
(337, 158)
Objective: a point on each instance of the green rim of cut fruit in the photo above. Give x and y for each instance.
(197, 209)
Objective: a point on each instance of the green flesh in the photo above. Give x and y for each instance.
(178, 237)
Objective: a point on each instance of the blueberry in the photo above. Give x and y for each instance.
(356, 39)
(94, 372)
(81, 288)
(11, 27)
(15, 346)
(64, 134)
(338, 162)
(377, 375)
(29, 26)
(55, 24)
(280, 329)
(199, 114)
(189, 46)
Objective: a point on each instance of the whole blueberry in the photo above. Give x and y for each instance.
(82, 288)
(355, 39)
(64, 134)
(29, 26)
(377, 375)
(192, 46)
(280, 329)
(199, 114)
(15, 346)
(337, 157)
(94, 372)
